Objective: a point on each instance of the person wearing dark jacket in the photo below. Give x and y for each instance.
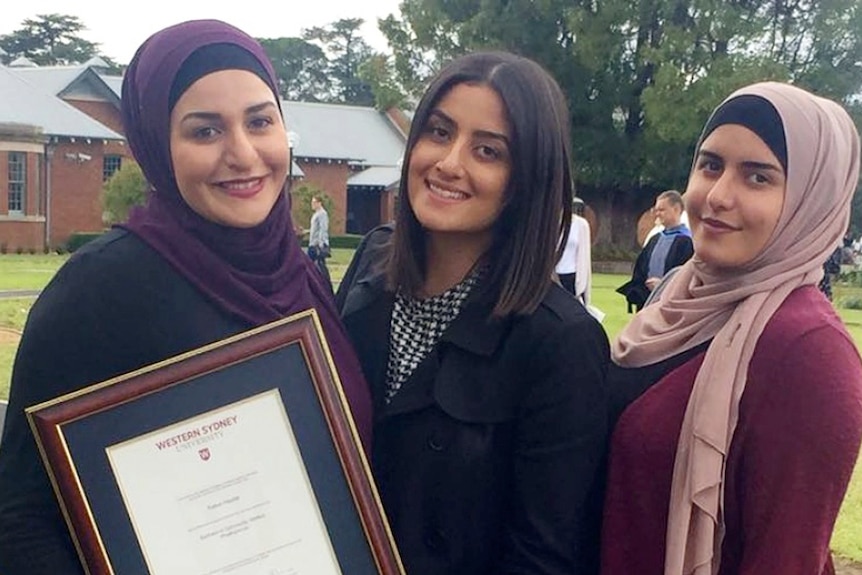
(212, 254)
(487, 377)
(664, 251)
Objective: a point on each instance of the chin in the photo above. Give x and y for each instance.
(241, 221)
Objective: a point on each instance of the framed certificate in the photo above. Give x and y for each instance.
(238, 458)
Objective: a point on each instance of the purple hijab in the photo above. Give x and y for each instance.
(256, 274)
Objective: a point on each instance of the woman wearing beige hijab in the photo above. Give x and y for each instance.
(742, 390)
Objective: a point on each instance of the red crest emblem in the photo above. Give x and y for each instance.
(205, 453)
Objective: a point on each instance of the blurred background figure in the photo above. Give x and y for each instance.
(318, 239)
(659, 227)
(831, 268)
(574, 266)
(664, 251)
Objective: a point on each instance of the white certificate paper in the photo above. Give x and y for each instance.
(224, 493)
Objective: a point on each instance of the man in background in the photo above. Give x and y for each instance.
(666, 250)
(318, 238)
(574, 267)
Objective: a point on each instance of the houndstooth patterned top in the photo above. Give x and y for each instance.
(416, 327)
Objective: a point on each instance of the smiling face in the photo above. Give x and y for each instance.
(734, 197)
(460, 165)
(228, 148)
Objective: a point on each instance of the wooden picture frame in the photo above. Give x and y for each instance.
(249, 438)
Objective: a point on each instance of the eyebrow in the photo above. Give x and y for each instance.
(215, 115)
(483, 133)
(750, 164)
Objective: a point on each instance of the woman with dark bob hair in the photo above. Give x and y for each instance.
(487, 377)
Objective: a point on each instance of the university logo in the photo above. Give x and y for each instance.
(205, 453)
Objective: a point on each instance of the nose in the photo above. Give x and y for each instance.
(451, 164)
(239, 152)
(722, 196)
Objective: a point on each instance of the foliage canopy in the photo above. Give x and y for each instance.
(641, 76)
(49, 40)
(124, 190)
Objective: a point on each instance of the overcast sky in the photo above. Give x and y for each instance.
(121, 27)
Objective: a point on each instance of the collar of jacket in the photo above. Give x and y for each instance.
(473, 330)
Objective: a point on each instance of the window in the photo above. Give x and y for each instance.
(110, 164)
(17, 182)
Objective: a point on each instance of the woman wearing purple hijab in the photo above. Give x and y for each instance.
(212, 254)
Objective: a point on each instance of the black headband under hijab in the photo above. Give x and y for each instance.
(758, 115)
(212, 58)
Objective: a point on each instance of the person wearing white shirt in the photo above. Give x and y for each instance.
(574, 266)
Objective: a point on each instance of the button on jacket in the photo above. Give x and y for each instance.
(489, 458)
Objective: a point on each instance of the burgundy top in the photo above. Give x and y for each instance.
(790, 460)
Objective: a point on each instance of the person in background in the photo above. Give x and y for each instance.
(658, 227)
(318, 239)
(212, 254)
(666, 250)
(487, 376)
(831, 269)
(740, 389)
(574, 267)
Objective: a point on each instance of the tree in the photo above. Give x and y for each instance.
(126, 189)
(641, 76)
(346, 52)
(302, 69)
(49, 39)
(378, 72)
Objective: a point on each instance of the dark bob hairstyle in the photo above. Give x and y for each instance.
(538, 198)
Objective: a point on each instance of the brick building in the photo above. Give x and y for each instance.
(354, 154)
(61, 137)
(54, 155)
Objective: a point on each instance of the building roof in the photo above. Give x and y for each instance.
(295, 170)
(23, 103)
(81, 81)
(354, 134)
(96, 62)
(50, 79)
(351, 133)
(376, 176)
(115, 83)
(22, 62)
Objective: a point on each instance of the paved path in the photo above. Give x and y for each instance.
(10, 294)
(845, 567)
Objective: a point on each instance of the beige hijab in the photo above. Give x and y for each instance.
(732, 308)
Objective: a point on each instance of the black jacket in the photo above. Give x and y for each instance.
(489, 458)
(635, 289)
(115, 306)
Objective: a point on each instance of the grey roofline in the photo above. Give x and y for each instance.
(358, 135)
(62, 79)
(89, 72)
(28, 104)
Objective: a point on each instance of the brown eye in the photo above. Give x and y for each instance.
(260, 123)
(204, 133)
(488, 152)
(709, 165)
(437, 133)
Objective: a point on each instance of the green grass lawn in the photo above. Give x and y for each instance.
(26, 271)
(33, 272)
